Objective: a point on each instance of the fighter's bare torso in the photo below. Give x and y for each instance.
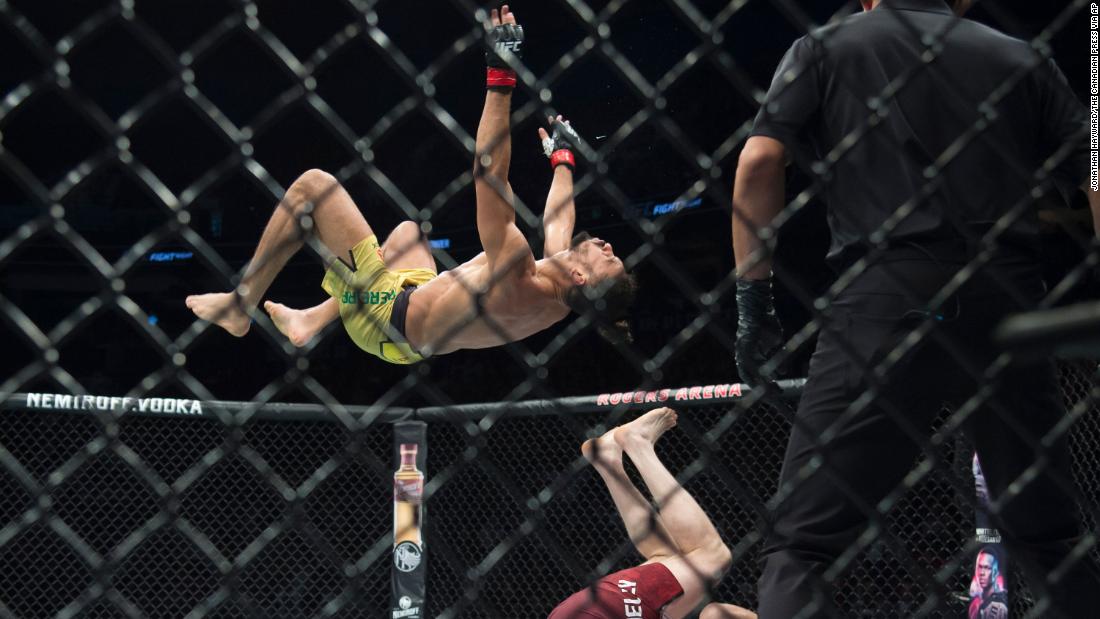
(443, 314)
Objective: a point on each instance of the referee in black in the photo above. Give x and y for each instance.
(930, 138)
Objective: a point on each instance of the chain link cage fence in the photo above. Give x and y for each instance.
(143, 146)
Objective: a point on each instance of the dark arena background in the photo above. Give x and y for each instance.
(144, 146)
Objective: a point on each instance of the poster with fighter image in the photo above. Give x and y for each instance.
(988, 589)
(988, 594)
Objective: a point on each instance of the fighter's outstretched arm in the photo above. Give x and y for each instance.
(496, 216)
(560, 215)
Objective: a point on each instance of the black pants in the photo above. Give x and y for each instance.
(867, 456)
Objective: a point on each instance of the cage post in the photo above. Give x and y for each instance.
(409, 569)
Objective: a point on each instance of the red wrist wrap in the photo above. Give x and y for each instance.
(500, 77)
(562, 156)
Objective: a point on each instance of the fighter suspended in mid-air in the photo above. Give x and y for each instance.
(390, 297)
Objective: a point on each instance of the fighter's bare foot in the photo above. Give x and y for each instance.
(603, 451)
(221, 308)
(297, 325)
(645, 429)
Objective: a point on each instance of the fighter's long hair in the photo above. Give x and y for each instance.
(606, 302)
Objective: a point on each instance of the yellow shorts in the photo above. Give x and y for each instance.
(365, 291)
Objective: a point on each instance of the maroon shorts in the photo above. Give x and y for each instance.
(636, 592)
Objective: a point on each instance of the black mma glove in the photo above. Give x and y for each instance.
(502, 40)
(759, 335)
(560, 144)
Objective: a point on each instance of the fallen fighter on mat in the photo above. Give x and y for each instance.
(684, 554)
(390, 298)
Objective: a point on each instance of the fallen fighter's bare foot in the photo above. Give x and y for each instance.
(645, 430)
(221, 308)
(603, 452)
(299, 326)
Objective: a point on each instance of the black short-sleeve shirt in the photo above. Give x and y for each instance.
(870, 103)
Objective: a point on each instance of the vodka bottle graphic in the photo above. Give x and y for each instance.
(408, 490)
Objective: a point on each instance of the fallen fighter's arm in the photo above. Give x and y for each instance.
(560, 215)
(504, 245)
